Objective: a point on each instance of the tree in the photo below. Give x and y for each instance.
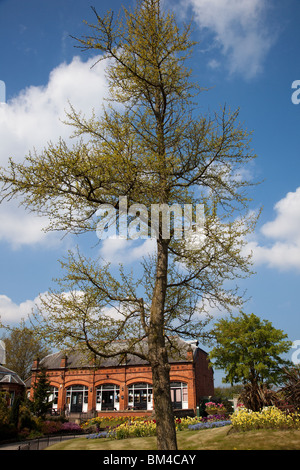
(22, 347)
(40, 403)
(151, 147)
(249, 350)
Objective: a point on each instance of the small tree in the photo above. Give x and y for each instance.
(249, 350)
(41, 404)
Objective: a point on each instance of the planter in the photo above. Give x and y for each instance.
(213, 411)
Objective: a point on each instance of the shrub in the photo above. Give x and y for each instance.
(70, 427)
(51, 427)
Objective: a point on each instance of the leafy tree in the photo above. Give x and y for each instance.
(22, 347)
(150, 146)
(249, 350)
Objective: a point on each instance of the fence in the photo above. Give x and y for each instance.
(43, 442)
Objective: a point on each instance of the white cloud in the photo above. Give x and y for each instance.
(118, 250)
(32, 119)
(240, 30)
(12, 313)
(280, 242)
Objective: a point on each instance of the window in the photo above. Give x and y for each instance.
(140, 396)
(53, 397)
(179, 395)
(107, 397)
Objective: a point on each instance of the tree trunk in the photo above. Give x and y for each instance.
(165, 425)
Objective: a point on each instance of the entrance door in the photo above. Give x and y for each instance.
(76, 402)
(176, 398)
(107, 400)
(140, 399)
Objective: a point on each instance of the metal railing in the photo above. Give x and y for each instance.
(43, 442)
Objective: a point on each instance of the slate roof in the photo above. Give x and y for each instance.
(76, 359)
(8, 376)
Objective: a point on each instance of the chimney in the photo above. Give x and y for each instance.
(63, 362)
(189, 354)
(36, 363)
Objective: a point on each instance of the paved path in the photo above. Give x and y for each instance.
(37, 444)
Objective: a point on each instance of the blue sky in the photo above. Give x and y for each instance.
(248, 56)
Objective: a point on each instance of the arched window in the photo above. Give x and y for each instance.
(107, 397)
(140, 396)
(77, 399)
(179, 395)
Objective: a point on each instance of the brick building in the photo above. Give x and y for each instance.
(11, 384)
(78, 386)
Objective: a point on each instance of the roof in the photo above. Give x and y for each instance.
(8, 376)
(77, 359)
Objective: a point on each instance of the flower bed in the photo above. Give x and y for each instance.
(145, 428)
(268, 418)
(209, 425)
(108, 422)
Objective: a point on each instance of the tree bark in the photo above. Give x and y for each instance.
(165, 425)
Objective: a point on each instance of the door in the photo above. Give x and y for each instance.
(176, 398)
(76, 402)
(107, 400)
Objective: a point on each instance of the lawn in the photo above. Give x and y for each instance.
(206, 439)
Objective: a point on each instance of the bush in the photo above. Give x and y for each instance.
(51, 427)
(70, 428)
(7, 431)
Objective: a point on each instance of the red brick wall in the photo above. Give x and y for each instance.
(204, 375)
(196, 374)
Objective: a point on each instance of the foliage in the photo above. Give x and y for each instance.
(268, 418)
(226, 393)
(291, 385)
(7, 428)
(55, 427)
(255, 397)
(22, 347)
(26, 418)
(249, 349)
(4, 410)
(41, 388)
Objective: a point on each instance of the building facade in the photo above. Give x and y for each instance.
(11, 384)
(126, 388)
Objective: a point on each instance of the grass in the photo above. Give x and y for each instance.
(206, 439)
